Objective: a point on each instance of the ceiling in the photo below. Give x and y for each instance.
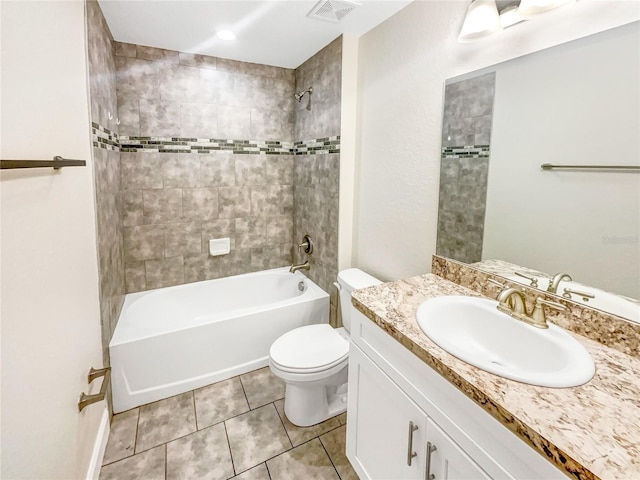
(274, 32)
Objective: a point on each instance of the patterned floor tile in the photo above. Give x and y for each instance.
(256, 436)
(299, 435)
(166, 420)
(122, 436)
(220, 401)
(262, 387)
(308, 461)
(335, 442)
(256, 473)
(202, 455)
(148, 465)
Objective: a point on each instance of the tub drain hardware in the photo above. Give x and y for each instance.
(85, 399)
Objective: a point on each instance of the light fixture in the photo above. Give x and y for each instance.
(482, 20)
(509, 16)
(532, 8)
(226, 35)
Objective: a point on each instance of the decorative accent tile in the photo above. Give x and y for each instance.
(102, 137)
(471, 151)
(164, 144)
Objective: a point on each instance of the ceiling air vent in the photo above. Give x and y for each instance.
(332, 10)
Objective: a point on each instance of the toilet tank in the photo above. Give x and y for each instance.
(349, 280)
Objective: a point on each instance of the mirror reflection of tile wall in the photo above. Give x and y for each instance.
(466, 135)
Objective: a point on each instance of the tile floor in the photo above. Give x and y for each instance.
(231, 429)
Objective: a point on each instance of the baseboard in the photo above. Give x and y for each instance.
(99, 447)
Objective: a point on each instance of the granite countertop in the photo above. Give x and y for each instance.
(590, 431)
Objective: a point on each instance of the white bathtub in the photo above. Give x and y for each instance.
(172, 340)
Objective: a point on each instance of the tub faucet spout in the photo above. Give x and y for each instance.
(303, 266)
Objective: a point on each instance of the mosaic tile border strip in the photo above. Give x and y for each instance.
(469, 151)
(318, 146)
(102, 137)
(203, 145)
(323, 145)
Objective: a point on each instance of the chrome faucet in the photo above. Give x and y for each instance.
(555, 281)
(303, 266)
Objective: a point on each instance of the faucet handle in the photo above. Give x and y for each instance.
(495, 282)
(533, 280)
(306, 244)
(555, 305)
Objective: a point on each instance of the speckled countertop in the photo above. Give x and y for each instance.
(590, 431)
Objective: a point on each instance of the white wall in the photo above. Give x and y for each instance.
(403, 64)
(49, 277)
(348, 149)
(581, 106)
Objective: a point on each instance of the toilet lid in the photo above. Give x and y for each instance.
(309, 349)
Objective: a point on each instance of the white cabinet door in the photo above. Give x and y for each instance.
(448, 460)
(383, 414)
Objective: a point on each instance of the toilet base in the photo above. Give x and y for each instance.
(306, 404)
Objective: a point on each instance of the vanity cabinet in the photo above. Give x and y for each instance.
(395, 437)
(399, 408)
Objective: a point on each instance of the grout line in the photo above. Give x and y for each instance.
(195, 412)
(165, 461)
(135, 441)
(233, 465)
(245, 392)
(329, 456)
(267, 467)
(283, 425)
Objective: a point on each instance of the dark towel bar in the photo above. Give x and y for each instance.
(549, 166)
(56, 163)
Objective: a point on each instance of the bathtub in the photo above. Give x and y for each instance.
(172, 340)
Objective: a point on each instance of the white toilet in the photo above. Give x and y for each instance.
(313, 360)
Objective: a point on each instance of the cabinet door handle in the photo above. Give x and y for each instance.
(430, 449)
(410, 452)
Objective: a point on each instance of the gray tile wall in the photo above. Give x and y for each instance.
(106, 162)
(323, 72)
(466, 135)
(165, 93)
(174, 203)
(317, 176)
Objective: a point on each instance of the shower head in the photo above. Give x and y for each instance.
(299, 95)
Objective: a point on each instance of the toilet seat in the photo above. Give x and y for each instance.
(309, 349)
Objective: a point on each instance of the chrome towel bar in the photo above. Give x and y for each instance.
(549, 166)
(56, 163)
(93, 374)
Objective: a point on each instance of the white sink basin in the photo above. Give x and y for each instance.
(473, 330)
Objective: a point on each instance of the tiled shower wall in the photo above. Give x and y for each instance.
(173, 203)
(317, 175)
(106, 161)
(208, 151)
(464, 168)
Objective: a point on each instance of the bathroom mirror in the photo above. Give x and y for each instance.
(574, 104)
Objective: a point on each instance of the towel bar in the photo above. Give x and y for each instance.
(93, 374)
